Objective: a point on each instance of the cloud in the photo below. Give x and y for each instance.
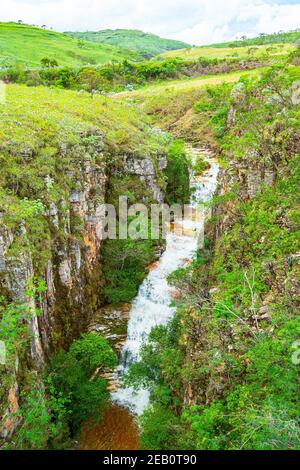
(241, 17)
(194, 21)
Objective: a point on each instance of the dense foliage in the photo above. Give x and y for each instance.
(125, 261)
(178, 174)
(75, 376)
(127, 75)
(53, 404)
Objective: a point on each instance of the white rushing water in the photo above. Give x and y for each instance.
(152, 304)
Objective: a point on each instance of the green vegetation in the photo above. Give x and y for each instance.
(118, 76)
(31, 151)
(229, 349)
(22, 45)
(109, 77)
(266, 45)
(42, 417)
(125, 261)
(221, 372)
(236, 52)
(54, 403)
(178, 176)
(146, 44)
(44, 145)
(15, 334)
(290, 37)
(200, 165)
(75, 376)
(162, 91)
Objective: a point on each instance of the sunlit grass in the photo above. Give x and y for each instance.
(26, 45)
(247, 52)
(189, 83)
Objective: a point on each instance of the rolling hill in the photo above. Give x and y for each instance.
(289, 37)
(148, 45)
(277, 44)
(226, 52)
(27, 45)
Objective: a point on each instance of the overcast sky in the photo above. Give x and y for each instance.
(193, 21)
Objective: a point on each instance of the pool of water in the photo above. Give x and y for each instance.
(117, 430)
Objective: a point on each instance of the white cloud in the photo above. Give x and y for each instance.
(194, 21)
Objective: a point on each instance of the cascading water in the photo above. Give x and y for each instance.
(152, 304)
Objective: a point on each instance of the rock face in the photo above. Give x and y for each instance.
(249, 176)
(72, 273)
(147, 172)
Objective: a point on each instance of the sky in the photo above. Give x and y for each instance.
(193, 21)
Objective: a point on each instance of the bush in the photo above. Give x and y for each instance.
(72, 376)
(178, 175)
(200, 165)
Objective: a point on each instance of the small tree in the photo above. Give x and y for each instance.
(90, 78)
(74, 375)
(45, 61)
(53, 63)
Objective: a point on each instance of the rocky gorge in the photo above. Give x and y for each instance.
(221, 366)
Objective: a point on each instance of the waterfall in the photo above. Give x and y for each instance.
(152, 304)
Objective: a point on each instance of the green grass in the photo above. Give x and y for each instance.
(218, 52)
(146, 44)
(277, 38)
(27, 45)
(187, 84)
(36, 116)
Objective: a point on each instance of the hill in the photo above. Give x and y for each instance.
(289, 37)
(147, 44)
(27, 45)
(226, 52)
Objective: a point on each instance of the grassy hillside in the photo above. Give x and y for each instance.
(277, 38)
(238, 52)
(27, 45)
(159, 90)
(146, 44)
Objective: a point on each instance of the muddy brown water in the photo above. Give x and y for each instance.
(117, 430)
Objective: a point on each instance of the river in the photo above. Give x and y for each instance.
(118, 429)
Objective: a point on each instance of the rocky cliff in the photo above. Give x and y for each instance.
(51, 241)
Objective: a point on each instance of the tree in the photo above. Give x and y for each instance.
(45, 61)
(74, 375)
(177, 172)
(90, 78)
(53, 63)
(80, 43)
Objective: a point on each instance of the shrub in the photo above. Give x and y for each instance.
(73, 376)
(177, 173)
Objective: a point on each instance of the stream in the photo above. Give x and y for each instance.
(118, 429)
